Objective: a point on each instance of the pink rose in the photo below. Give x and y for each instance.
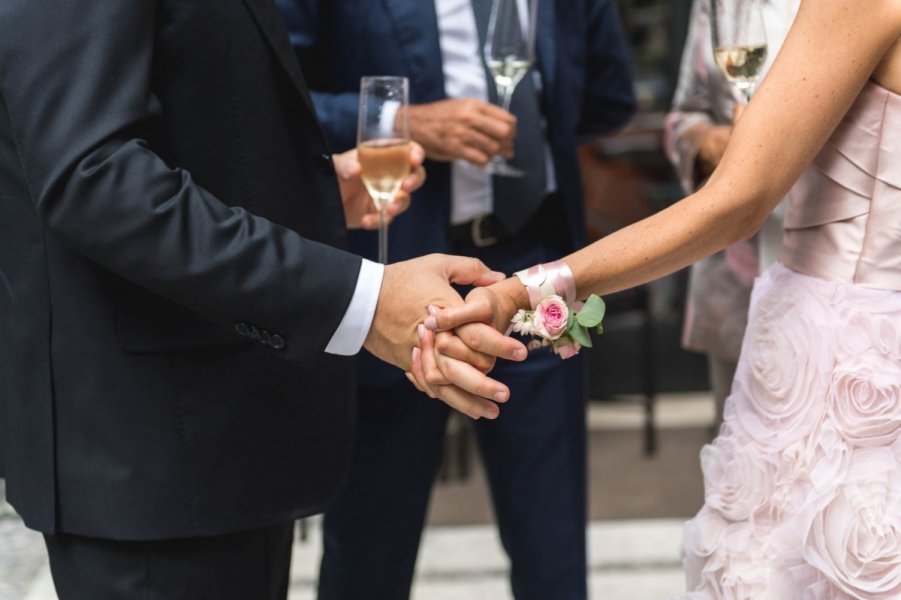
(550, 318)
(567, 348)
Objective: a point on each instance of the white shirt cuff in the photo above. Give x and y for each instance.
(354, 327)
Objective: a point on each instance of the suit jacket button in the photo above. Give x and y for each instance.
(254, 333)
(242, 328)
(324, 164)
(265, 338)
(278, 342)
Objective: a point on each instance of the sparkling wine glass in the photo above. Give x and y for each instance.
(509, 53)
(383, 144)
(739, 42)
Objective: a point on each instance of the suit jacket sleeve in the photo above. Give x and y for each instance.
(609, 100)
(75, 84)
(308, 23)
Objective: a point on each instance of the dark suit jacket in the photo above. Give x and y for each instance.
(168, 280)
(587, 79)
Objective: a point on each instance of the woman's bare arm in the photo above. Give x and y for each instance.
(830, 52)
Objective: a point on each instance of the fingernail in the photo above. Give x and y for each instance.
(520, 354)
(415, 354)
(431, 323)
(501, 396)
(421, 330)
(433, 310)
(499, 275)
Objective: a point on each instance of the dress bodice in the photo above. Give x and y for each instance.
(844, 217)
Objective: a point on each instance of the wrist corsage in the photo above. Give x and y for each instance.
(556, 319)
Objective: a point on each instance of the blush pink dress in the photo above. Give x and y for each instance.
(803, 483)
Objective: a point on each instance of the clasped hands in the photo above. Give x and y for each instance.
(447, 346)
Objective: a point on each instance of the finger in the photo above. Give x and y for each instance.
(498, 129)
(448, 344)
(475, 139)
(414, 180)
(416, 370)
(487, 279)
(347, 165)
(468, 378)
(398, 205)
(465, 270)
(432, 375)
(468, 404)
(737, 111)
(451, 318)
(487, 340)
(417, 155)
(496, 112)
(371, 221)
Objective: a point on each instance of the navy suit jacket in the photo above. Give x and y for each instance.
(582, 55)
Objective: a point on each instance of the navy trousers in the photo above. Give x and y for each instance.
(534, 457)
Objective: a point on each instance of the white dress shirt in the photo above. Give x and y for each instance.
(464, 77)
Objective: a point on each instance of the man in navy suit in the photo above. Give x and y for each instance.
(534, 455)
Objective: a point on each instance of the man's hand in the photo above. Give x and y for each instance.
(714, 140)
(359, 209)
(408, 289)
(462, 128)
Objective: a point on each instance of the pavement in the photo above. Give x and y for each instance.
(638, 506)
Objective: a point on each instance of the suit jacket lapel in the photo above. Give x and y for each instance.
(416, 30)
(272, 28)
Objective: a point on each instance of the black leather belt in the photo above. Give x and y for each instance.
(483, 231)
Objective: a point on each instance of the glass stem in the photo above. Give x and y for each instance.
(506, 95)
(383, 237)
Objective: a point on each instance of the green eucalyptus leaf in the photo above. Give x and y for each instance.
(581, 335)
(593, 312)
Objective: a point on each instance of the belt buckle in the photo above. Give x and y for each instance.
(478, 240)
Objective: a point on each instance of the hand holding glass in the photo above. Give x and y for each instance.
(383, 144)
(739, 41)
(509, 53)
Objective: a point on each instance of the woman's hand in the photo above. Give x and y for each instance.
(494, 305)
(359, 209)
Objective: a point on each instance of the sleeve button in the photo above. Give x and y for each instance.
(277, 342)
(242, 329)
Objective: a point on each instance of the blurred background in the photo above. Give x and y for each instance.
(650, 409)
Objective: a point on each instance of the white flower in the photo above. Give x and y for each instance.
(522, 322)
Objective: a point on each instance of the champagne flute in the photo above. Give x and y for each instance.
(509, 53)
(739, 42)
(383, 144)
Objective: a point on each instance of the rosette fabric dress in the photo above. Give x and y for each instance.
(803, 483)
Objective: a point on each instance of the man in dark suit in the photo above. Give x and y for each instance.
(174, 302)
(535, 455)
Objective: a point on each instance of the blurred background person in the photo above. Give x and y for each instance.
(535, 457)
(697, 130)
